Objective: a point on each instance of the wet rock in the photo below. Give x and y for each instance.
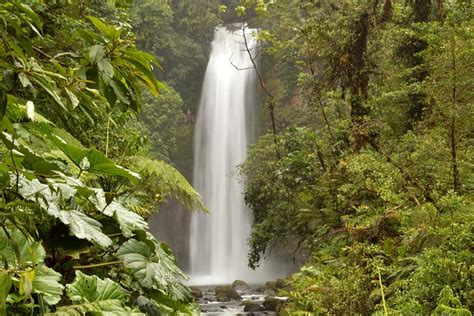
(273, 287)
(196, 292)
(270, 285)
(271, 304)
(260, 289)
(226, 293)
(271, 293)
(280, 283)
(240, 285)
(250, 306)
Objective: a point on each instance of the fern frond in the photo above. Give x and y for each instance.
(162, 180)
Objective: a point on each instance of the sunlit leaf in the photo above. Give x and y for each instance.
(110, 32)
(91, 294)
(47, 283)
(154, 267)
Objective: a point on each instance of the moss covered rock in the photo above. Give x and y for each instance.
(250, 306)
(271, 304)
(196, 292)
(226, 293)
(240, 285)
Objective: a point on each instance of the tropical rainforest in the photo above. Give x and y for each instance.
(363, 170)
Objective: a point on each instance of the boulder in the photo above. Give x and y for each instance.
(240, 285)
(273, 287)
(226, 293)
(250, 306)
(280, 283)
(196, 292)
(270, 285)
(271, 304)
(260, 289)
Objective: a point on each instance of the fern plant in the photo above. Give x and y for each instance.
(448, 304)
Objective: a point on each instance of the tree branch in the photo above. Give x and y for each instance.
(454, 161)
(96, 265)
(271, 98)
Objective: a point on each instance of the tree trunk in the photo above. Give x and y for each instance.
(357, 74)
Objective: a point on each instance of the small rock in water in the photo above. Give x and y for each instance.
(283, 284)
(196, 292)
(273, 287)
(240, 285)
(270, 285)
(260, 289)
(271, 304)
(280, 283)
(250, 306)
(226, 293)
(270, 292)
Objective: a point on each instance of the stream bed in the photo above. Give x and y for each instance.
(237, 300)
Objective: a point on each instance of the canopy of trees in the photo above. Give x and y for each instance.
(364, 170)
(369, 176)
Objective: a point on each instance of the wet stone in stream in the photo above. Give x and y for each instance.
(251, 302)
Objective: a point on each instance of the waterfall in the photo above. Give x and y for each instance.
(224, 130)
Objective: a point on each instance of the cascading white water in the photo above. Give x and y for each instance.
(224, 129)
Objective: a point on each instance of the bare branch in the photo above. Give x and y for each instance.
(237, 67)
(271, 97)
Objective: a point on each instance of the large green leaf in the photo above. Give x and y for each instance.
(92, 289)
(18, 250)
(92, 160)
(91, 294)
(96, 53)
(46, 282)
(109, 31)
(128, 221)
(50, 87)
(153, 266)
(85, 227)
(19, 253)
(49, 198)
(30, 160)
(26, 9)
(5, 285)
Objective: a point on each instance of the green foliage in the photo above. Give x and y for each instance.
(25, 271)
(371, 183)
(290, 178)
(93, 295)
(179, 32)
(153, 266)
(448, 304)
(162, 116)
(161, 181)
(65, 205)
(92, 160)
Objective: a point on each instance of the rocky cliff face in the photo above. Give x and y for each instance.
(171, 225)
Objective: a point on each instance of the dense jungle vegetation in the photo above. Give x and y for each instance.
(364, 169)
(369, 172)
(79, 172)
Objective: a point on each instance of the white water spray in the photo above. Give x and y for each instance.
(224, 130)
